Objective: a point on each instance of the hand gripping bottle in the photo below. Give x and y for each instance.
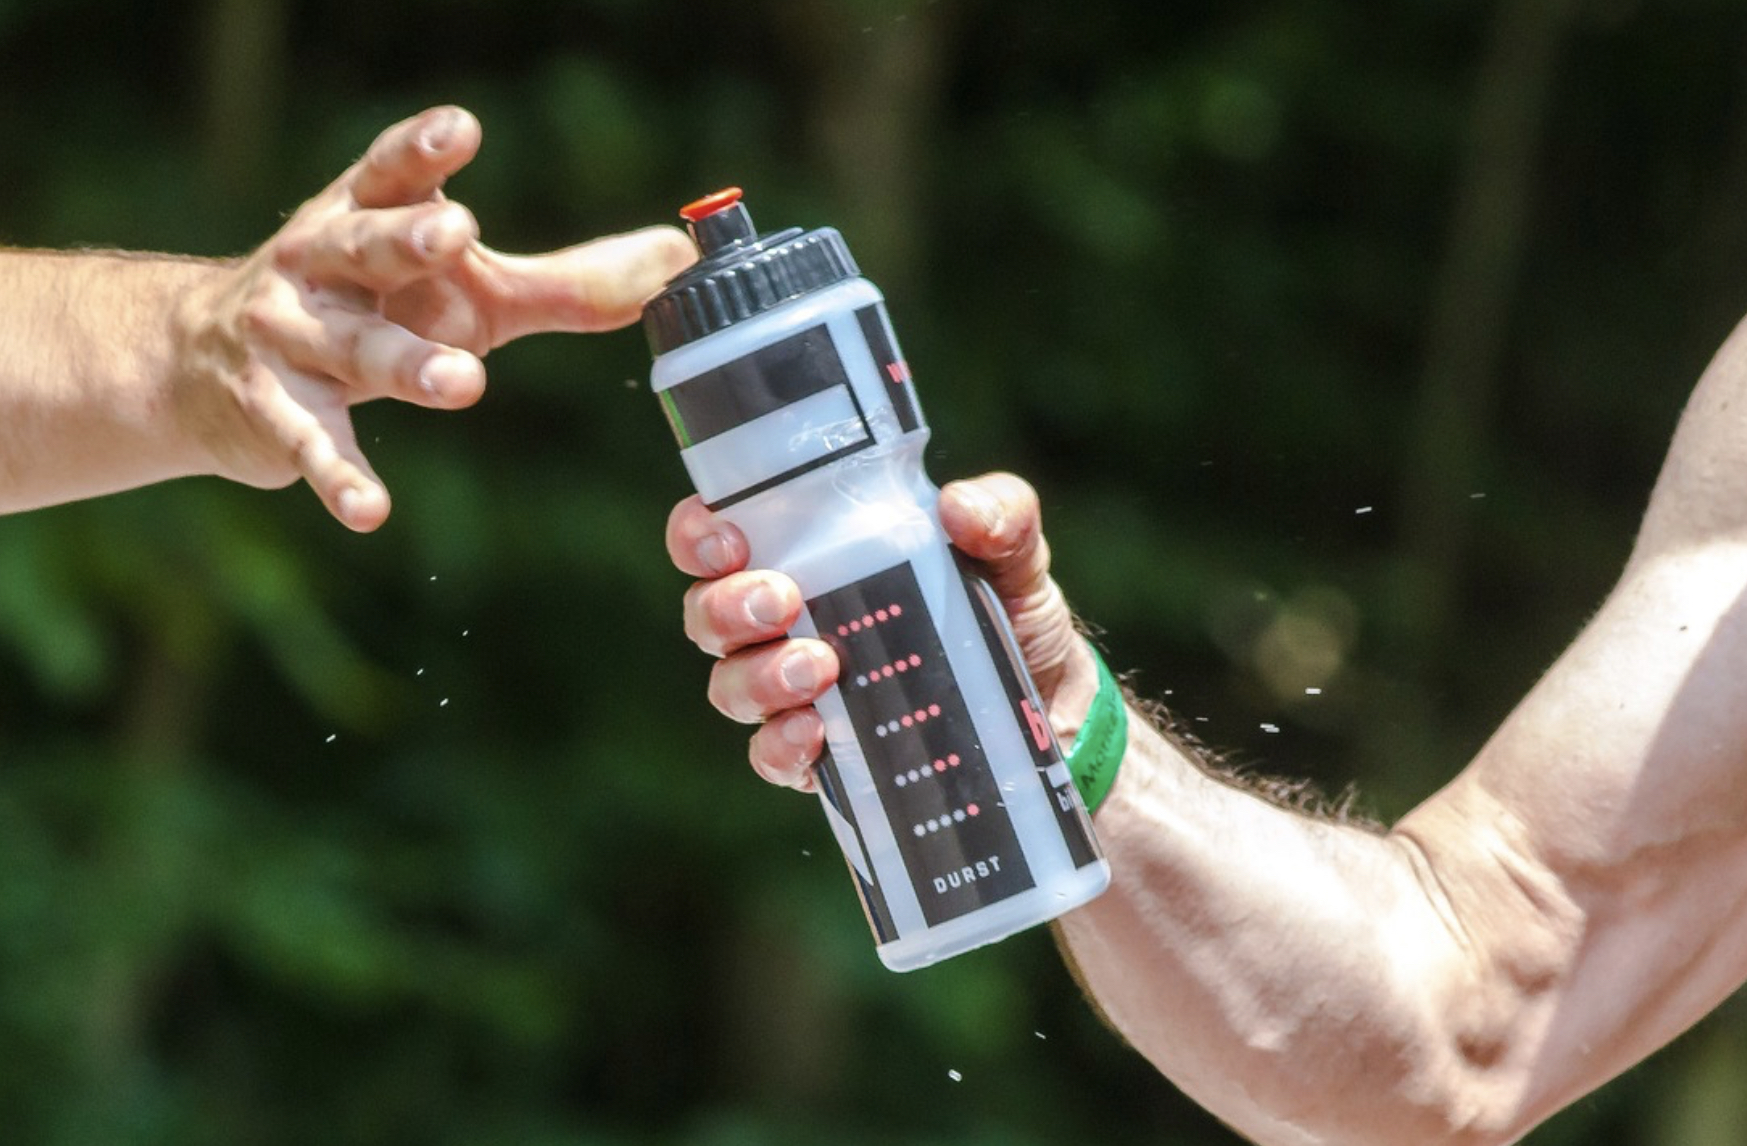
(797, 421)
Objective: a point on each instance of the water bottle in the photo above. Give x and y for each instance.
(797, 420)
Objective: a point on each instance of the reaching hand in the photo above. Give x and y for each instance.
(765, 678)
(380, 288)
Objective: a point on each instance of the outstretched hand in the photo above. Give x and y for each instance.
(380, 288)
(741, 615)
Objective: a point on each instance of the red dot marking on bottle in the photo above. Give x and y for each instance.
(915, 661)
(971, 809)
(710, 204)
(897, 610)
(952, 759)
(934, 710)
(940, 765)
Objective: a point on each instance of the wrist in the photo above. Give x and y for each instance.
(1100, 741)
(203, 384)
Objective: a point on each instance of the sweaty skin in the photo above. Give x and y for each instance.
(120, 369)
(1570, 902)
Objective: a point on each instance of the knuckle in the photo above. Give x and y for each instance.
(679, 529)
(698, 628)
(260, 314)
(773, 760)
(728, 696)
(724, 608)
(347, 351)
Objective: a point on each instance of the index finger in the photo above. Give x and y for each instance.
(598, 285)
(703, 545)
(409, 162)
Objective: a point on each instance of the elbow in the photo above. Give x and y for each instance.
(1455, 1085)
(1447, 1065)
(1369, 1115)
(1388, 1084)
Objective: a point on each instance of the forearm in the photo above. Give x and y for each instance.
(88, 353)
(1280, 968)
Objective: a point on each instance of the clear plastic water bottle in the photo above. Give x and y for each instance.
(797, 420)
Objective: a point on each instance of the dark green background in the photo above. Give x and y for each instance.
(1342, 340)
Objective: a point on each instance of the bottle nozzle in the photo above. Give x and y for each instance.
(718, 220)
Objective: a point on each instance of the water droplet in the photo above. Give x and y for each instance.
(1270, 728)
(444, 703)
(1313, 692)
(1040, 1034)
(332, 736)
(955, 1076)
(1363, 509)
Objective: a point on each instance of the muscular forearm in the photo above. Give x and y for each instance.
(1564, 907)
(1280, 968)
(87, 353)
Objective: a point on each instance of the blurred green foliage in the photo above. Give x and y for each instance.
(431, 837)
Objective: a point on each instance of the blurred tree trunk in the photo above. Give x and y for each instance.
(878, 79)
(879, 71)
(147, 866)
(244, 54)
(1470, 307)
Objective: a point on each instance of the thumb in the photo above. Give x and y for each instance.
(598, 285)
(996, 520)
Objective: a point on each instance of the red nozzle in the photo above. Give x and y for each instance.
(710, 204)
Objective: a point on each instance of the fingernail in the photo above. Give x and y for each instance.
(766, 606)
(439, 131)
(985, 508)
(443, 231)
(448, 376)
(800, 673)
(798, 731)
(713, 553)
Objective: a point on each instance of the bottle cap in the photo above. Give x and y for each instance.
(741, 273)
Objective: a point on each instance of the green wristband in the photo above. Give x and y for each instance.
(1102, 740)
